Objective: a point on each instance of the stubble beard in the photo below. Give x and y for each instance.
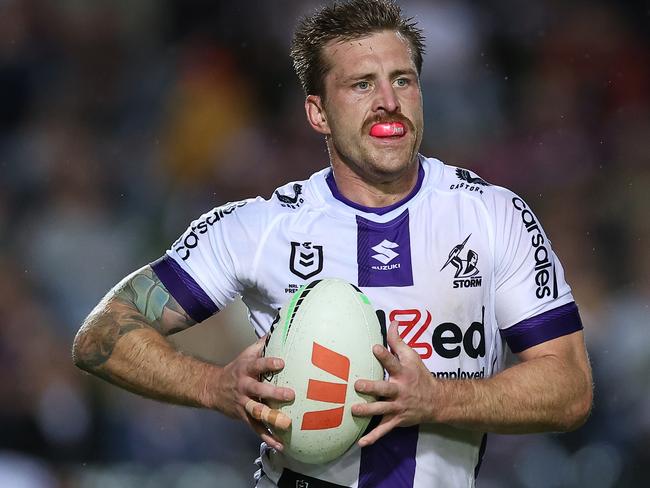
(375, 164)
(373, 168)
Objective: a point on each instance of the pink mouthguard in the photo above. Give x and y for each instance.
(388, 129)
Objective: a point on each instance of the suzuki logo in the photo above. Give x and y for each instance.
(325, 391)
(385, 251)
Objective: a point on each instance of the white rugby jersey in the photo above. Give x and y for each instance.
(461, 264)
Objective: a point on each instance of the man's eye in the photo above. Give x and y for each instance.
(401, 82)
(363, 85)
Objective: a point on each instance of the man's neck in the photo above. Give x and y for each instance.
(374, 194)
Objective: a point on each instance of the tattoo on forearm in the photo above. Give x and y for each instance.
(99, 334)
(137, 302)
(149, 296)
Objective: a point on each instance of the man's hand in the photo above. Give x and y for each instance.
(406, 398)
(240, 392)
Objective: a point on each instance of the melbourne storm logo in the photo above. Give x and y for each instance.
(466, 275)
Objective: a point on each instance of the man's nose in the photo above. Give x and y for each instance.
(386, 98)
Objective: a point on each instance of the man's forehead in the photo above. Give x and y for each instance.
(358, 48)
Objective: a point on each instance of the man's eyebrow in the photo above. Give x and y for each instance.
(372, 76)
(400, 72)
(360, 76)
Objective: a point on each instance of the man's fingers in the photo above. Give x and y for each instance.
(378, 432)
(271, 441)
(387, 359)
(267, 391)
(266, 436)
(372, 409)
(263, 365)
(384, 389)
(273, 418)
(258, 345)
(255, 349)
(393, 338)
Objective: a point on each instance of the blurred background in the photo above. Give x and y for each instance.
(121, 121)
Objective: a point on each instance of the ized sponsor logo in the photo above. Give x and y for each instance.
(545, 277)
(466, 275)
(460, 374)
(326, 391)
(293, 201)
(468, 182)
(188, 241)
(385, 254)
(448, 340)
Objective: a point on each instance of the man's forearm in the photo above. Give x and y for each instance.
(136, 357)
(123, 341)
(541, 394)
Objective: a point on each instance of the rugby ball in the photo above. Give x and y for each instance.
(325, 335)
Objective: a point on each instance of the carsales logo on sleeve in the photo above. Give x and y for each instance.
(190, 239)
(545, 278)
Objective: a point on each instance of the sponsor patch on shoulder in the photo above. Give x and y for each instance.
(469, 181)
(291, 200)
(545, 273)
(190, 239)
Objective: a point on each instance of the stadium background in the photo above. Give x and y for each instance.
(120, 121)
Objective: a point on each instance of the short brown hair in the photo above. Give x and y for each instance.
(346, 20)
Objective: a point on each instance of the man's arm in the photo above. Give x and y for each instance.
(550, 390)
(123, 341)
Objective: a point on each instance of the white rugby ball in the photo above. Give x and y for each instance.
(325, 336)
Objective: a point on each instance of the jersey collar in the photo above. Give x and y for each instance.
(331, 183)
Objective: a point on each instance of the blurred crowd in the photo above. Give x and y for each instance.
(121, 121)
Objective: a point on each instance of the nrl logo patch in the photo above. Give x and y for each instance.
(306, 259)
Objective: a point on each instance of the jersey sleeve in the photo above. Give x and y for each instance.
(204, 270)
(534, 303)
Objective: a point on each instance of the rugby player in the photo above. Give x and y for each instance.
(458, 268)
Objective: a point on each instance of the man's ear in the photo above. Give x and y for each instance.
(316, 114)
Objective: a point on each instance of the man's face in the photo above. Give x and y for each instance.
(371, 80)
